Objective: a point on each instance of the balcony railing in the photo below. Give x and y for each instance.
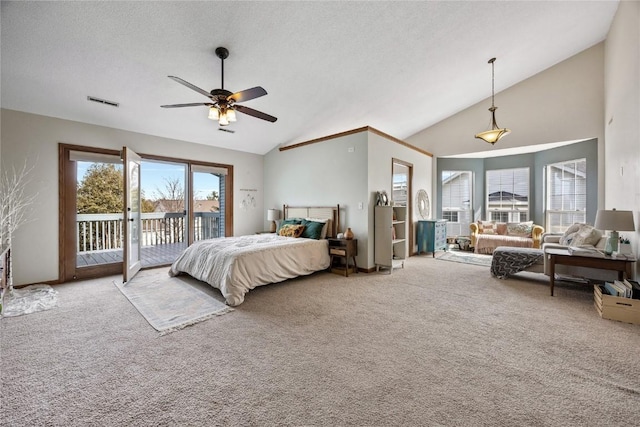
(102, 232)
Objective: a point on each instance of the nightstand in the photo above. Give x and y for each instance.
(346, 250)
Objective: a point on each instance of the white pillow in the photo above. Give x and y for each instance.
(580, 235)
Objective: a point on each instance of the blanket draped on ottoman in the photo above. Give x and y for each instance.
(508, 260)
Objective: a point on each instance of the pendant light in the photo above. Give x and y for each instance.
(494, 134)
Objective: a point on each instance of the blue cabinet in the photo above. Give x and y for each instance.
(432, 236)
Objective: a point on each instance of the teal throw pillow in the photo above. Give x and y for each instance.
(312, 229)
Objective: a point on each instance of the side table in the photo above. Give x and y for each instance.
(562, 256)
(346, 250)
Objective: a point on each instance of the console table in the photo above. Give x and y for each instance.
(562, 256)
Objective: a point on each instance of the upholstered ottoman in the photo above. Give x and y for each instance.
(508, 260)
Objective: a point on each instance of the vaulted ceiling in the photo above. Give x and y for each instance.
(328, 67)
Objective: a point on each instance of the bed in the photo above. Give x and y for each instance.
(235, 265)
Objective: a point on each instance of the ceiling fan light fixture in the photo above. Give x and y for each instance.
(222, 105)
(214, 114)
(494, 134)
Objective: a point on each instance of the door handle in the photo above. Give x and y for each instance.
(131, 219)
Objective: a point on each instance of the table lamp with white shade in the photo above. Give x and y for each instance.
(273, 215)
(614, 221)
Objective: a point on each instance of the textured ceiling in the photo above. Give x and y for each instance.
(328, 67)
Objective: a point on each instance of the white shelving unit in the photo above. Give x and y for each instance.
(390, 243)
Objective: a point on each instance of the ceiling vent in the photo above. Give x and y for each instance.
(103, 101)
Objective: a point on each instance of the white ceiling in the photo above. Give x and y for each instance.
(328, 67)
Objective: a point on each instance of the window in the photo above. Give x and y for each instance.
(450, 216)
(508, 195)
(566, 189)
(456, 201)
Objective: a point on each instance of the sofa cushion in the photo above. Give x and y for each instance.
(520, 229)
(487, 227)
(501, 228)
(580, 235)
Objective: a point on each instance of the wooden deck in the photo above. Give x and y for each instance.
(150, 255)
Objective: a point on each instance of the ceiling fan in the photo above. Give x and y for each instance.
(223, 106)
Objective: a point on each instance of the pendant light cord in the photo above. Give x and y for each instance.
(491, 61)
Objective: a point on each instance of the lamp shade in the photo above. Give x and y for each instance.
(615, 220)
(273, 214)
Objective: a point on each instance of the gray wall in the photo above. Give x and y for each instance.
(536, 163)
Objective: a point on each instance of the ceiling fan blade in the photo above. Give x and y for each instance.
(247, 94)
(193, 104)
(255, 113)
(190, 86)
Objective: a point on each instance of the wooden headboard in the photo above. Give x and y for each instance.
(321, 212)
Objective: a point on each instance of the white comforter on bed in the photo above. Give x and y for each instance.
(236, 265)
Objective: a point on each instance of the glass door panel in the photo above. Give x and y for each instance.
(132, 200)
(99, 207)
(164, 211)
(208, 202)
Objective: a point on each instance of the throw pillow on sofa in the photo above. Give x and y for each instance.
(501, 228)
(580, 235)
(520, 229)
(487, 227)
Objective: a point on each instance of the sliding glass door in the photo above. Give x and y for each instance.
(180, 201)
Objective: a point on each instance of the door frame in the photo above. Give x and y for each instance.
(409, 166)
(67, 208)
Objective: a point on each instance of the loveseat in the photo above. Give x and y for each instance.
(488, 235)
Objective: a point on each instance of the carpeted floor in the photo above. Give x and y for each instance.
(435, 343)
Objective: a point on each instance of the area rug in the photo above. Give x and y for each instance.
(466, 258)
(170, 303)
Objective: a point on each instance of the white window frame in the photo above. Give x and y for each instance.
(508, 209)
(572, 195)
(463, 210)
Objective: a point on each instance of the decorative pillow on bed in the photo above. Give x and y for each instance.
(520, 229)
(313, 229)
(487, 227)
(294, 221)
(291, 230)
(325, 221)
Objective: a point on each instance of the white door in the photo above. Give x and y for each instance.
(132, 223)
